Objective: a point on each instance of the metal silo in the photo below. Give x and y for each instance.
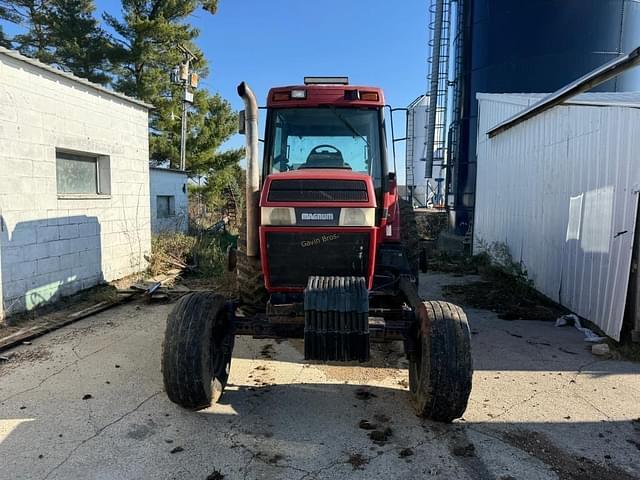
(509, 46)
(415, 149)
(423, 187)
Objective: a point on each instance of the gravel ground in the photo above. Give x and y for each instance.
(87, 402)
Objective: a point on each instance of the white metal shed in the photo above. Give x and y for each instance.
(169, 200)
(561, 191)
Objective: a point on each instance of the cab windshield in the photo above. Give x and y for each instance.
(327, 137)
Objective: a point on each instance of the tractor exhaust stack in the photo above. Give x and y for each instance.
(253, 174)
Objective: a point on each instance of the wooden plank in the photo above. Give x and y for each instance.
(19, 337)
(89, 310)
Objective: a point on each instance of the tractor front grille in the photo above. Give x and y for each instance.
(295, 256)
(315, 190)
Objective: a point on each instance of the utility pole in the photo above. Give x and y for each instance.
(182, 75)
(183, 128)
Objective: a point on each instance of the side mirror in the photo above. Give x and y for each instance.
(241, 122)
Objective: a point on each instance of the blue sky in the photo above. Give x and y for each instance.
(277, 42)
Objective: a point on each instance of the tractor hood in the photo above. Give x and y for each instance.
(321, 187)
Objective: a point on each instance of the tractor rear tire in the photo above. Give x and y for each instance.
(440, 369)
(250, 279)
(197, 348)
(409, 237)
(251, 291)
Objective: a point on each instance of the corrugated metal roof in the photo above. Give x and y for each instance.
(43, 66)
(614, 99)
(560, 190)
(563, 95)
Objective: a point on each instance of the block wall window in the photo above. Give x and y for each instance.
(82, 173)
(166, 206)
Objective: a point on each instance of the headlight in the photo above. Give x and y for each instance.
(278, 216)
(357, 217)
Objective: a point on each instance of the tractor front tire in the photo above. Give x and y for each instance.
(440, 368)
(197, 348)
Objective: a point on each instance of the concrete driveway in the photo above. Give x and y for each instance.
(87, 402)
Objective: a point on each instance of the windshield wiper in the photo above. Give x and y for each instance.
(349, 126)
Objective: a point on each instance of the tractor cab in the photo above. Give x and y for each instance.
(326, 198)
(326, 124)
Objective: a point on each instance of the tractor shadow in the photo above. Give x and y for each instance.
(293, 421)
(382, 354)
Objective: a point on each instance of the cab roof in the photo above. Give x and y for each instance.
(324, 95)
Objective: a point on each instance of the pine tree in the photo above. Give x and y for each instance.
(80, 45)
(149, 34)
(32, 15)
(7, 15)
(63, 33)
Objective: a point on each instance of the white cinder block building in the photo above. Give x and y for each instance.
(169, 200)
(561, 191)
(74, 184)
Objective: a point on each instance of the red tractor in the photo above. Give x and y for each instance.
(327, 252)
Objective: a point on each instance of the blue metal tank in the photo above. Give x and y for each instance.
(515, 46)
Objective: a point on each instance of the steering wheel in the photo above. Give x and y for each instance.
(315, 149)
